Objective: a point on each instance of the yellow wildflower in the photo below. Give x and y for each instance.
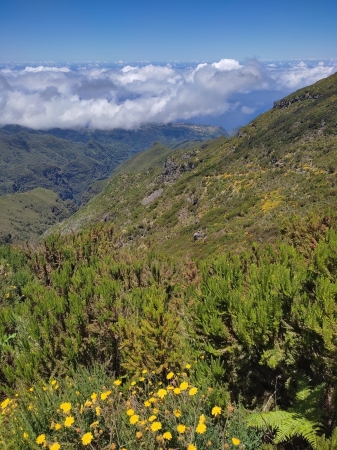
(98, 411)
(177, 391)
(188, 366)
(169, 375)
(55, 446)
(134, 419)
(133, 383)
(66, 407)
(155, 426)
(94, 424)
(161, 393)
(183, 386)
(69, 421)
(177, 412)
(181, 428)
(117, 382)
(147, 403)
(41, 439)
(130, 412)
(93, 397)
(5, 403)
(236, 441)
(191, 447)
(216, 410)
(167, 435)
(141, 379)
(201, 428)
(152, 418)
(87, 438)
(105, 395)
(139, 434)
(193, 391)
(202, 418)
(25, 435)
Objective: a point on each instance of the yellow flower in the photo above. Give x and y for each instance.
(41, 439)
(167, 435)
(155, 426)
(144, 371)
(31, 389)
(152, 418)
(139, 434)
(98, 411)
(169, 375)
(161, 393)
(93, 396)
(69, 421)
(236, 441)
(188, 366)
(193, 391)
(133, 383)
(202, 418)
(177, 412)
(25, 435)
(55, 446)
(147, 403)
(117, 382)
(191, 447)
(181, 428)
(57, 426)
(87, 438)
(216, 410)
(155, 410)
(134, 419)
(177, 391)
(183, 386)
(66, 407)
(141, 379)
(5, 403)
(130, 412)
(105, 395)
(201, 428)
(94, 424)
(152, 400)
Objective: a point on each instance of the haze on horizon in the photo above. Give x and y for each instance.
(233, 51)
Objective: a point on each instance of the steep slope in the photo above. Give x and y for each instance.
(230, 192)
(68, 161)
(72, 164)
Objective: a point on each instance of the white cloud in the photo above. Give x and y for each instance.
(115, 96)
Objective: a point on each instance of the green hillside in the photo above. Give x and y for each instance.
(26, 216)
(186, 307)
(73, 164)
(229, 192)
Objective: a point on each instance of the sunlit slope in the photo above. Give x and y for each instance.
(229, 192)
(26, 216)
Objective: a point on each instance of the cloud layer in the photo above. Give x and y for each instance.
(105, 97)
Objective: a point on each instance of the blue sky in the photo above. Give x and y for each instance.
(106, 64)
(184, 30)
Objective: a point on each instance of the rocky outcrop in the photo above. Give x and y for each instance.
(287, 102)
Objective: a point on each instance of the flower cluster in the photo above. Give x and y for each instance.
(139, 412)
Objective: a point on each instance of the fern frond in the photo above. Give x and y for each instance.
(287, 425)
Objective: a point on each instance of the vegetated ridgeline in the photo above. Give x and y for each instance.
(228, 192)
(108, 339)
(73, 164)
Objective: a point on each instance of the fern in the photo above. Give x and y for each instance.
(287, 425)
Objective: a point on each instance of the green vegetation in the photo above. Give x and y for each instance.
(185, 307)
(232, 192)
(73, 164)
(27, 215)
